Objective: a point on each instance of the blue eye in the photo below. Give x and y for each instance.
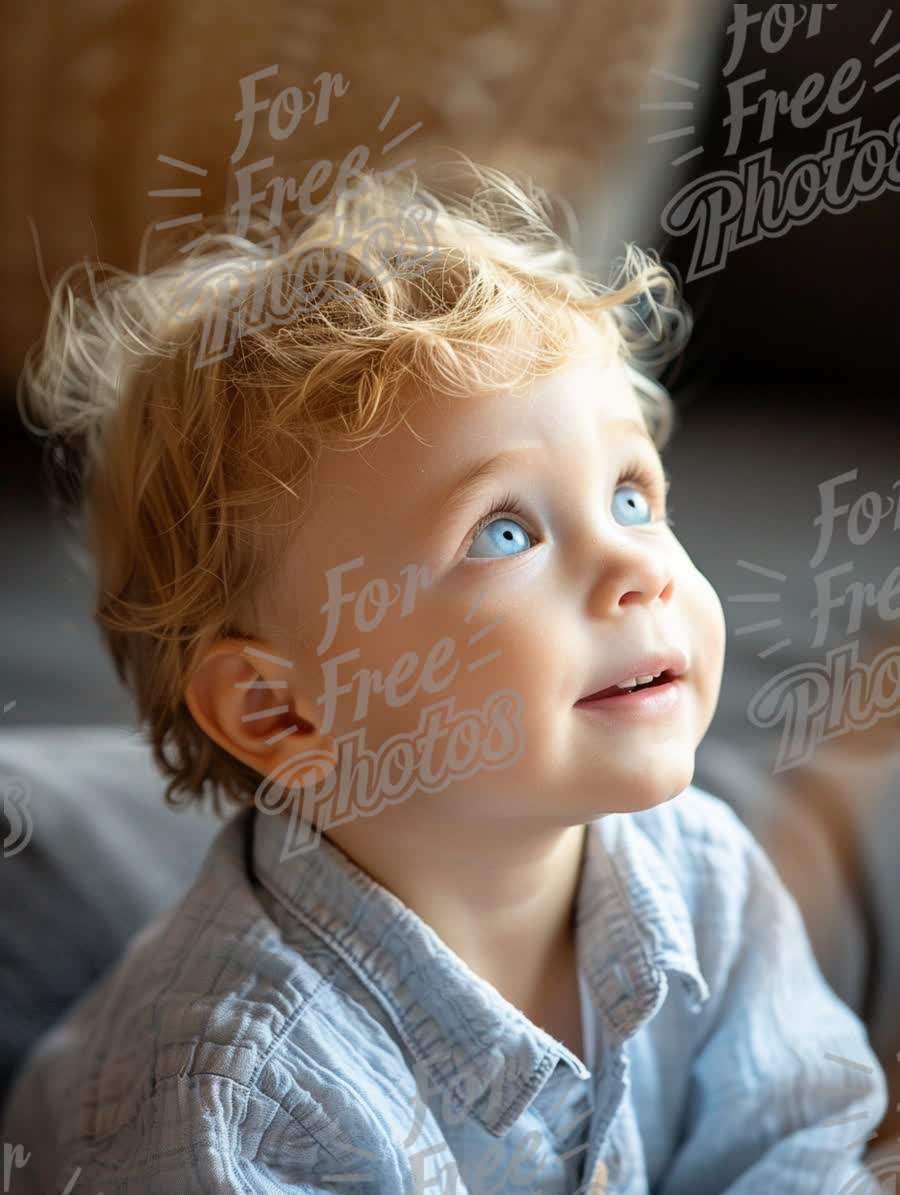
(503, 537)
(503, 534)
(630, 506)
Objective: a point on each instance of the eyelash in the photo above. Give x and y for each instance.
(636, 473)
(507, 505)
(639, 474)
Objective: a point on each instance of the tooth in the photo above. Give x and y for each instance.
(645, 680)
(628, 684)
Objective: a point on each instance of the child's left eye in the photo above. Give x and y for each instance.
(630, 506)
(642, 489)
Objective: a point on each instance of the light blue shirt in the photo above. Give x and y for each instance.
(291, 1026)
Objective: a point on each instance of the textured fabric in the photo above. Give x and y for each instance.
(587, 1021)
(291, 1025)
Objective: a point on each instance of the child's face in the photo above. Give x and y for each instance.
(569, 593)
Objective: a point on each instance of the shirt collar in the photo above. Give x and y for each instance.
(632, 924)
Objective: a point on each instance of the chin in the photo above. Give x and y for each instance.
(645, 792)
(636, 802)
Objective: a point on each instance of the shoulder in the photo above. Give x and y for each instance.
(211, 1027)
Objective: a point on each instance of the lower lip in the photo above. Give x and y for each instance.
(642, 703)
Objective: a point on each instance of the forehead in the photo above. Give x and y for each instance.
(378, 502)
(441, 438)
(555, 410)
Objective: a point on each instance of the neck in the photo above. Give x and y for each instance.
(503, 899)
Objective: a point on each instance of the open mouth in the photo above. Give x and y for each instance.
(664, 678)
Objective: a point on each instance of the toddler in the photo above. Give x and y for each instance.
(379, 524)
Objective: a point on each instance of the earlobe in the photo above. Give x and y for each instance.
(247, 702)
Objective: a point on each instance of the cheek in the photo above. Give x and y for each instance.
(707, 600)
(716, 616)
(702, 607)
(707, 633)
(384, 679)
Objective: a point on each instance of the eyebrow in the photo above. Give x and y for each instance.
(481, 472)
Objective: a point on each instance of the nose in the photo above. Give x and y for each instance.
(630, 570)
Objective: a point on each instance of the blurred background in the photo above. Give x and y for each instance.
(750, 144)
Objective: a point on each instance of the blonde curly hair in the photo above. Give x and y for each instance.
(185, 406)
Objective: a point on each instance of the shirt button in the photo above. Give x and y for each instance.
(599, 1180)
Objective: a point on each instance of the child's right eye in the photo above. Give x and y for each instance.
(500, 536)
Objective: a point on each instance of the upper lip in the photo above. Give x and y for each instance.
(669, 660)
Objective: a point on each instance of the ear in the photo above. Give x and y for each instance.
(249, 700)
